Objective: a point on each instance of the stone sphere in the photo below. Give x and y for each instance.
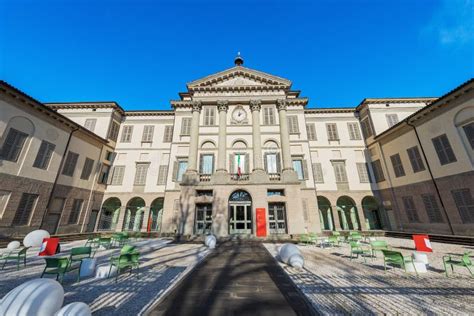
(35, 238)
(296, 261)
(36, 297)
(290, 253)
(75, 309)
(210, 241)
(13, 245)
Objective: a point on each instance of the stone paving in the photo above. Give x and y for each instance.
(335, 285)
(162, 264)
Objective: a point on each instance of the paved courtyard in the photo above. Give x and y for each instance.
(335, 285)
(162, 264)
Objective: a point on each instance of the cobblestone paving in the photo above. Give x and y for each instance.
(335, 285)
(162, 264)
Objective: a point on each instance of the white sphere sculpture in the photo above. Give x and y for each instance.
(35, 238)
(75, 309)
(13, 245)
(210, 241)
(291, 255)
(33, 298)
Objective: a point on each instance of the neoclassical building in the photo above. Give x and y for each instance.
(239, 153)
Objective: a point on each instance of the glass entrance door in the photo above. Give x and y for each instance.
(240, 219)
(277, 218)
(203, 219)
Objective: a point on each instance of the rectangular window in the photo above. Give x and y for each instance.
(117, 175)
(182, 165)
(13, 145)
(275, 192)
(318, 172)
(70, 163)
(465, 204)
(469, 131)
(87, 169)
(311, 131)
(104, 174)
(340, 171)
(140, 173)
(293, 127)
(268, 116)
(162, 175)
(397, 166)
(298, 166)
(410, 209)
(415, 159)
(186, 126)
(204, 193)
(443, 149)
(75, 211)
(332, 131)
(354, 132)
(366, 128)
(114, 130)
(271, 164)
(44, 155)
(209, 116)
(207, 164)
(363, 173)
(378, 172)
(392, 119)
(127, 134)
(90, 124)
(240, 163)
(147, 136)
(432, 209)
(25, 208)
(168, 136)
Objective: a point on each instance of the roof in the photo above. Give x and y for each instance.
(86, 105)
(395, 100)
(5, 86)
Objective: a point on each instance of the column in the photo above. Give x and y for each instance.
(193, 145)
(222, 107)
(255, 106)
(284, 136)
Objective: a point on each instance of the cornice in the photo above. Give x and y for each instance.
(85, 105)
(150, 113)
(329, 110)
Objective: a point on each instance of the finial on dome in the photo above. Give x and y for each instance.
(238, 61)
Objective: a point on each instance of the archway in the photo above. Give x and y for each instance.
(372, 213)
(156, 214)
(325, 213)
(240, 212)
(348, 216)
(109, 214)
(134, 214)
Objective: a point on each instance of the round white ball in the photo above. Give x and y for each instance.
(210, 241)
(288, 250)
(296, 261)
(35, 297)
(35, 238)
(75, 309)
(13, 245)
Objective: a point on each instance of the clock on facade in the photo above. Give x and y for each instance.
(239, 115)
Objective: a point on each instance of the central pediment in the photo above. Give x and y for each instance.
(239, 77)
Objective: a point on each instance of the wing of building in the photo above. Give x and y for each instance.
(238, 153)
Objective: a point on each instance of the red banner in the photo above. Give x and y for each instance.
(422, 243)
(49, 247)
(261, 222)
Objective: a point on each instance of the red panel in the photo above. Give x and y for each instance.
(49, 247)
(261, 222)
(422, 243)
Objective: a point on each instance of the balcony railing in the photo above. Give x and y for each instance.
(204, 177)
(241, 177)
(274, 176)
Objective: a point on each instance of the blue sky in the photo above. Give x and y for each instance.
(142, 53)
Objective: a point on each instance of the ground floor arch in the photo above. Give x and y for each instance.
(109, 214)
(372, 213)
(348, 215)
(134, 214)
(240, 213)
(156, 215)
(325, 213)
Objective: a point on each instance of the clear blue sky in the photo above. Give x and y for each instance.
(142, 53)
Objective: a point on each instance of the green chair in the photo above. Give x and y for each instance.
(333, 241)
(458, 260)
(56, 266)
(396, 257)
(304, 239)
(75, 259)
(128, 259)
(17, 256)
(92, 241)
(120, 239)
(105, 242)
(378, 245)
(313, 238)
(357, 249)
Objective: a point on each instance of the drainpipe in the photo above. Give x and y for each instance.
(63, 158)
(432, 178)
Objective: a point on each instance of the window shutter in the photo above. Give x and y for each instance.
(465, 204)
(90, 124)
(24, 209)
(213, 163)
(162, 173)
(247, 163)
(305, 169)
(148, 133)
(278, 161)
(231, 163)
(311, 131)
(265, 164)
(201, 163)
(186, 126)
(318, 173)
(469, 131)
(175, 171)
(432, 208)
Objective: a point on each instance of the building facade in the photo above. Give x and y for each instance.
(240, 153)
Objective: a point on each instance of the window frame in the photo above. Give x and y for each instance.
(48, 150)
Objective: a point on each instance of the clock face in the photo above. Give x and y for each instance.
(239, 114)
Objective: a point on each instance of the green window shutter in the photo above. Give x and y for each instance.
(278, 161)
(305, 169)
(175, 171)
(247, 163)
(231, 163)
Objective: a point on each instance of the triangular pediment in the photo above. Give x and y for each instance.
(239, 76)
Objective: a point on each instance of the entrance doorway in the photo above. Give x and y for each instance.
(277, 218)
(203, 219)
(240, 213)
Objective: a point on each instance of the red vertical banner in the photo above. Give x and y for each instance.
(49, 247)
(422, 243)
(261, 222)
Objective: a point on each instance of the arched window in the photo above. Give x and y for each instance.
(240, 196)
